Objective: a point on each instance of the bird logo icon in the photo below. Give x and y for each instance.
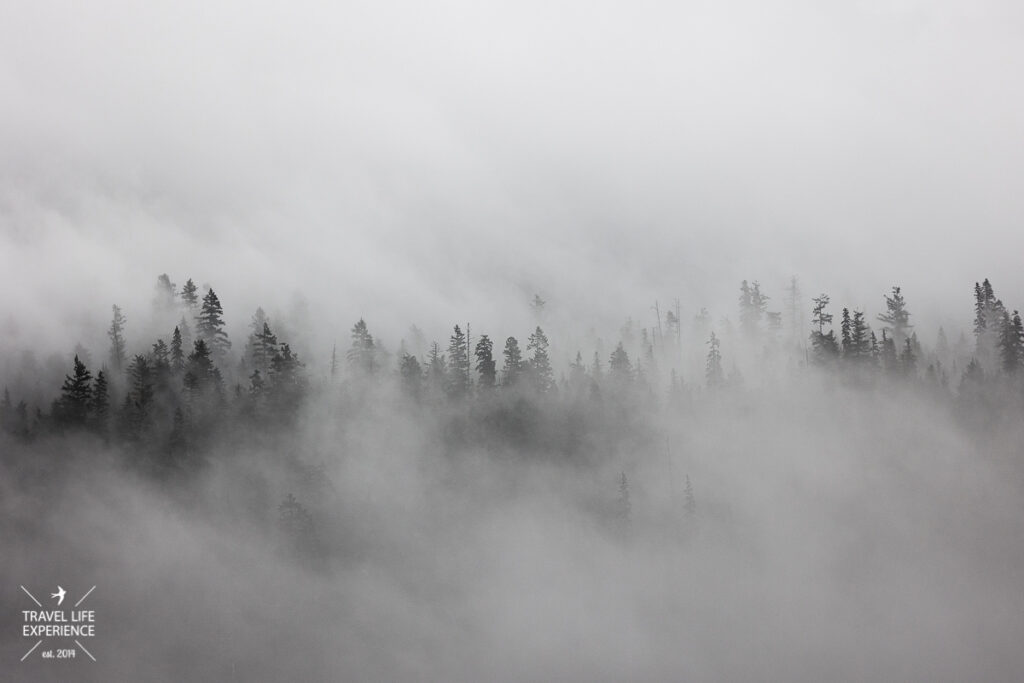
(59, 595)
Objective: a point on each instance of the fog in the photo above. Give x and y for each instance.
(804, 509)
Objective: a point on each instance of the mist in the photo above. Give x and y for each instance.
(702, 467)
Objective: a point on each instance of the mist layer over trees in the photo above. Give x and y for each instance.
(792, 489)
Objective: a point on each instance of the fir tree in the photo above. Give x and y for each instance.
(713, 375)
(190, 296)
(620, 369)
(117, 342)
(101, 401)
(486, 368)
(76, 395)
(896, 317)
(1011, 342)
(514, 364)
(625, 507)
(361, 355)
(210, 325)
(411, 373)
(177, 352)
(458, 365)
(541, 374)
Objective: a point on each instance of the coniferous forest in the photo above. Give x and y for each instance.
(474, 342)
(700, 493)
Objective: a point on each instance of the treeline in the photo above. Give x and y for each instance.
(185, 389)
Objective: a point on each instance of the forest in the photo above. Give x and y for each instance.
(689, 474)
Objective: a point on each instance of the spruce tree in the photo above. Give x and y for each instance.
(362, 352)
(486, 368)
(411, 373)
(620, 369)
(541, 374)
(1011, 342)
(458, 365)
(190, 296)
(76, 395)
(896, 317)
(210, 325)
(514, 364)
(117, 342)
(177, 352)
(713, 375)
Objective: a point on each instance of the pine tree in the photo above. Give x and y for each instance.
(117, 342)
(262, 347)
(514, 364)
(411, 373)
(896, 318)
(541, 374)
(362, 354)
(210, 325)
(620, 369)
(177, 352)
(908, 360)
(458, 365)
(437, 370)
(486, 368)
(824, 345)
(76, 395)
(141, 373)
(1011, 342)
(190, 296)
(713, 374)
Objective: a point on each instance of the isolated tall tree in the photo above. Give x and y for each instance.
(514, 364)
(76, 395)
(210, 325)
(896, 317)
(117, 342)
(486, 368)
(262, 347)
(459, 381)
(713, 374)
(541, 374)
(362, 352)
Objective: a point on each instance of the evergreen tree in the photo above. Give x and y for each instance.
(541, 374)
(76, 396)
(896, 317)
(141, 373)
(458, 365)
(890, 360)
(514, 364)
(177, 352)
(437, 370)
(824, 345)
(411, 373)
(362, 354)
(908, 359)
(713, 374)
(262, 347)
(689, 501)
(190, 296)
(620, 369)
(165, 294)
(210, 325)
(117, 342)
(486, 368)
(847, 340)
(1011, 342)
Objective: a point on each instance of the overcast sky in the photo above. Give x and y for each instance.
(437, 162)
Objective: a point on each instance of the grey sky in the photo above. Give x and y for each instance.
(430, 163)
